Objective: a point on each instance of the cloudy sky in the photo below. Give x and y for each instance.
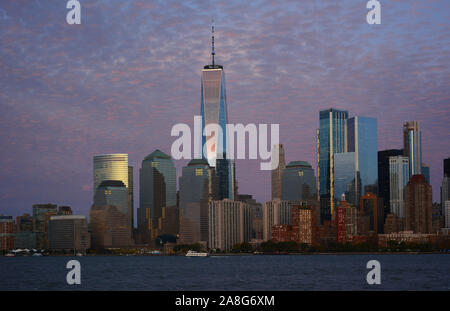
(118, 82)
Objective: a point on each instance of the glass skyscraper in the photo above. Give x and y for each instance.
(344, 177)
(398, 179)
(363, 141)
(198, 186)
(112, 192)
(298, 181)
(157, 181)
(110, 167)
(412, 146)
(332, 138)
(214, 114)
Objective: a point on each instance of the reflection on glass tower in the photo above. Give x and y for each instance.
(332, 138)
(214, 115)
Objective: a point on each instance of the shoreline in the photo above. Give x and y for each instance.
(239, 254)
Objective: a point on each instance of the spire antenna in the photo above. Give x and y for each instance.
(213, 53)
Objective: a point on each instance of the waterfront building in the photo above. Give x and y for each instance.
(69, 233)
(6, 232)
(275, 212)
(41, 217)
(281, 233)
(346, 222)
(198, 186)
(229, 224)
(305, 219)
(418, 201)
(109, 227)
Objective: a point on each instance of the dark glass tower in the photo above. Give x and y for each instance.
(383, 177)
(213, 109)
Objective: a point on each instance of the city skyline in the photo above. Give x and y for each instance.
(63, 108)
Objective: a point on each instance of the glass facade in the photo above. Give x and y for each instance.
(110, 167)
(298, 181)
(412, 146)
(332, 138)
(157, 171)
(344, 175)
(363, 141)
(112, 192)
(399, 177)
(213, 109)
(198, 185)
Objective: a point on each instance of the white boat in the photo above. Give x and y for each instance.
(196, 254)
(10, 255)
(79, 254)
(37, 254)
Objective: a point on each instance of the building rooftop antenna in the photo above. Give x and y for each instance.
(213, 53)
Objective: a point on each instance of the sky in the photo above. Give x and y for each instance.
(118, 82)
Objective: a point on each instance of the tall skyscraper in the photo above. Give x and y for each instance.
(332, 138)
(110, 167)
(425, 169)
(418, 201)
(198, 186)
(131, 194)
(114, 193)
(383, 178)
(214, 114)
(412, 146)
(363, 141)
(298, 181)
(447, 167)
(157, 179)
(398, 179)
(278, 152)
(115, 167)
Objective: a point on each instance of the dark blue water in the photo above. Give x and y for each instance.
(291, 272)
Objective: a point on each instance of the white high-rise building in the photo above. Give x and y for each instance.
(275, 212)
(229, 224)
(398, 179)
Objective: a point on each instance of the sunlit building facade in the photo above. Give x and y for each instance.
(213, 109)
(412, 146)
(332, 138)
